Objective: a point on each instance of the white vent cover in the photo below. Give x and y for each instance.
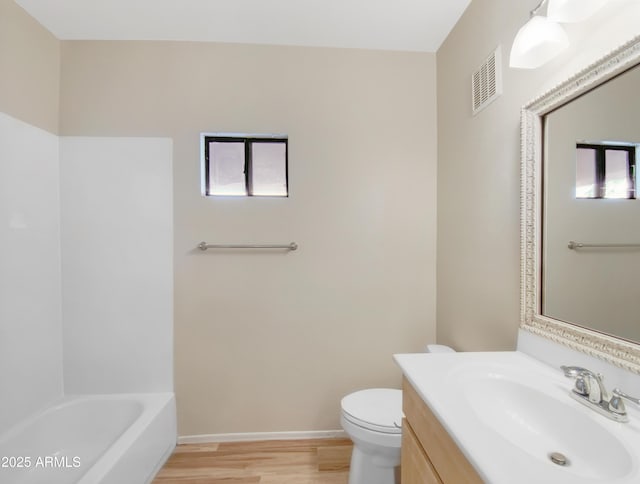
(486, 82)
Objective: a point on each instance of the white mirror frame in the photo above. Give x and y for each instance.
(616, 351)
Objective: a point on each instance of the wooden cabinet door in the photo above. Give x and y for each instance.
(444, 455)
(415, 467)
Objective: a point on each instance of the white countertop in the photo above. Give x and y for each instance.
(460, 389)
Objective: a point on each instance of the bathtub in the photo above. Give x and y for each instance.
(96, 439)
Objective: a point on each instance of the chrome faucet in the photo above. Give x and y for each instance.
(589, 390)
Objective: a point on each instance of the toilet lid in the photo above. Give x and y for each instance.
(378, 409)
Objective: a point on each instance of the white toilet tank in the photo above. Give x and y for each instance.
(439, 349)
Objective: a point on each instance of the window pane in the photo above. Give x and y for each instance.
(586, 173)
(269, 169)
(616, 177)
(226, 169)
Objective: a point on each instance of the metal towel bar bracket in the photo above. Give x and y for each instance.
(205, 246)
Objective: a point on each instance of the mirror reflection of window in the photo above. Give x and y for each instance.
(617, 179)
(605, 170)
(586, 179)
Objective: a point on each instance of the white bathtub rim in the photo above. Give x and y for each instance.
(67, 400)
(155, 407)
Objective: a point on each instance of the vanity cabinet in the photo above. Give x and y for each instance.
(429, 455)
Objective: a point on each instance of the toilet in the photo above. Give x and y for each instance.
(372, 418)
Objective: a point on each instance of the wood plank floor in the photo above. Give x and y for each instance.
(318, 461)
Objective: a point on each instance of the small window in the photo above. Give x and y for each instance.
(245, 165)
(605, 171)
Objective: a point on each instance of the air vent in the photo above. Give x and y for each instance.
(486, 82)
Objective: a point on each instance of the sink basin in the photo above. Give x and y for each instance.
(514, 420)
(541, 425)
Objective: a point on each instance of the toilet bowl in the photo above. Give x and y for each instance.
(372, 418)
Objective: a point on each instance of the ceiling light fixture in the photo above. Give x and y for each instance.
(537, 42)
(543, 38)
(569, 11)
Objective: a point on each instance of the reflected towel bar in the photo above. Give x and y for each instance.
(205, 246)
(579, 245)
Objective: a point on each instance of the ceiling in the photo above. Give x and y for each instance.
(406, 25)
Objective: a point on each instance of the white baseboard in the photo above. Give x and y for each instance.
(255, 436)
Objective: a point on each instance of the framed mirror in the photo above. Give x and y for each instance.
(555, 303)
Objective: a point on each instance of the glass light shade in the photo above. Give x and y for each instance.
(537, 42)
(568, 11)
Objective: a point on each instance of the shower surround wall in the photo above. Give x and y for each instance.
(86, 276)
(117, 272)
(30, 308)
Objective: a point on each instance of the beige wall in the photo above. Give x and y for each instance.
(478, 165)
(29, 67)
(268, 341)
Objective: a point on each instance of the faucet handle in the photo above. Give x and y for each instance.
(582, 386)
(588, 383)
(573, 371)
(616, 404)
